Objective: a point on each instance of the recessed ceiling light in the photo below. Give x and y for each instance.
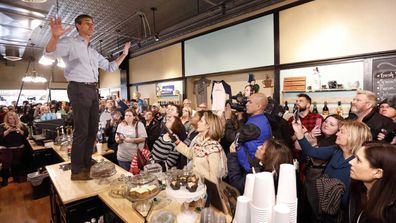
(34, 1)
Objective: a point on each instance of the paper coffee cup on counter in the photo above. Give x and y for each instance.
(99, 147)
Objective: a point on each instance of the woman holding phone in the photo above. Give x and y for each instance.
(13, 134)
(130, 136)
(350, 137)
(324, 134)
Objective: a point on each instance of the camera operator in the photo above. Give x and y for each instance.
(254, 132)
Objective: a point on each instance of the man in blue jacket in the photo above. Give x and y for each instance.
(255, 131)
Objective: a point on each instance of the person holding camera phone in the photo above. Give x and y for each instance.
(13, 134)
(130, 136)
(308, 120)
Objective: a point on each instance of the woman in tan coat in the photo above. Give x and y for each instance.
(207, 155)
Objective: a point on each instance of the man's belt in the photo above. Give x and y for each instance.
(84, 83)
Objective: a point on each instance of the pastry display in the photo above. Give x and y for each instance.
(190, 182)
(175, 184)
(183, 180)
(103, 169)
(192, 186)
(143, 192)
(142, 187)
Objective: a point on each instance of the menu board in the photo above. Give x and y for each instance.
(384, 78)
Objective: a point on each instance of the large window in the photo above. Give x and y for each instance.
(246, 45)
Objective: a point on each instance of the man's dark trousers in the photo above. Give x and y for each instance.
(85, 103)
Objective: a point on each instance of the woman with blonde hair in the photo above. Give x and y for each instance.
(13, 134)
(207, 155)
(350, 137)
(130, 136)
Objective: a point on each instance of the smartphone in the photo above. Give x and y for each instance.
(296, 115)
(120, 134)
(318, 122)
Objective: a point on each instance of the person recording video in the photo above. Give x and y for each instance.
(254, 132)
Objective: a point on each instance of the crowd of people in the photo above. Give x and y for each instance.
(226, 146)
(351, 152)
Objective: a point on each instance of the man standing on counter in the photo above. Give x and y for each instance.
(82, 69)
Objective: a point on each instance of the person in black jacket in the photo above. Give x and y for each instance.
(13, 134)
(364, 109)
(373, 191)
(152, 128)
(110, 131)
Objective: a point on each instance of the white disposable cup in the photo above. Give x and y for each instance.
(292, 208)
(264, 191)
(281, 214)
(260, 215)
(242, 212)
(249, 185)
(99, 148)
(287, 188)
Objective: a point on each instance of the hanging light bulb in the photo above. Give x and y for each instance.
(45, 60)
(33, 76)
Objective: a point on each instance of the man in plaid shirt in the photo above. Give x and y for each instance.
(308, 119)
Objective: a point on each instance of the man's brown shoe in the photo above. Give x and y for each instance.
(83, 175)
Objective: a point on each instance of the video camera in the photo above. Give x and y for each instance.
(240, 102)
(274, 109)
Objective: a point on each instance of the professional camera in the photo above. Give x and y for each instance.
(240, 102)
(274, 109)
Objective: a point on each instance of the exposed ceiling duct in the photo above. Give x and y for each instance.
(116, 22)
(16, 27)
(34, 1)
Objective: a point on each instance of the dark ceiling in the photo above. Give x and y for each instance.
(116, 21)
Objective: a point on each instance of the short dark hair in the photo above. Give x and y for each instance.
(80, 18)
(306, 97)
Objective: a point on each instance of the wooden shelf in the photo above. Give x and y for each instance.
(328, 90)
(168, 95)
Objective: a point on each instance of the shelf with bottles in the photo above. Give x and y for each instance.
(324, 108)
(168, 95)
(166, 102)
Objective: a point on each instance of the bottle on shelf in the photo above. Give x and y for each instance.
(295, 107)
(339, 109)
(286, 107)
(350, 109)
(325, 109)
(315, 108)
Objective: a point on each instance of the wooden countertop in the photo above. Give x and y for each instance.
(70, 191)
(121, 207)
(63, 153)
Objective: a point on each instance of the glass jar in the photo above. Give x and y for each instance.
(103, 169)
(118, 187)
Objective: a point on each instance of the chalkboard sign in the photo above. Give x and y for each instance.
(384, 78)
